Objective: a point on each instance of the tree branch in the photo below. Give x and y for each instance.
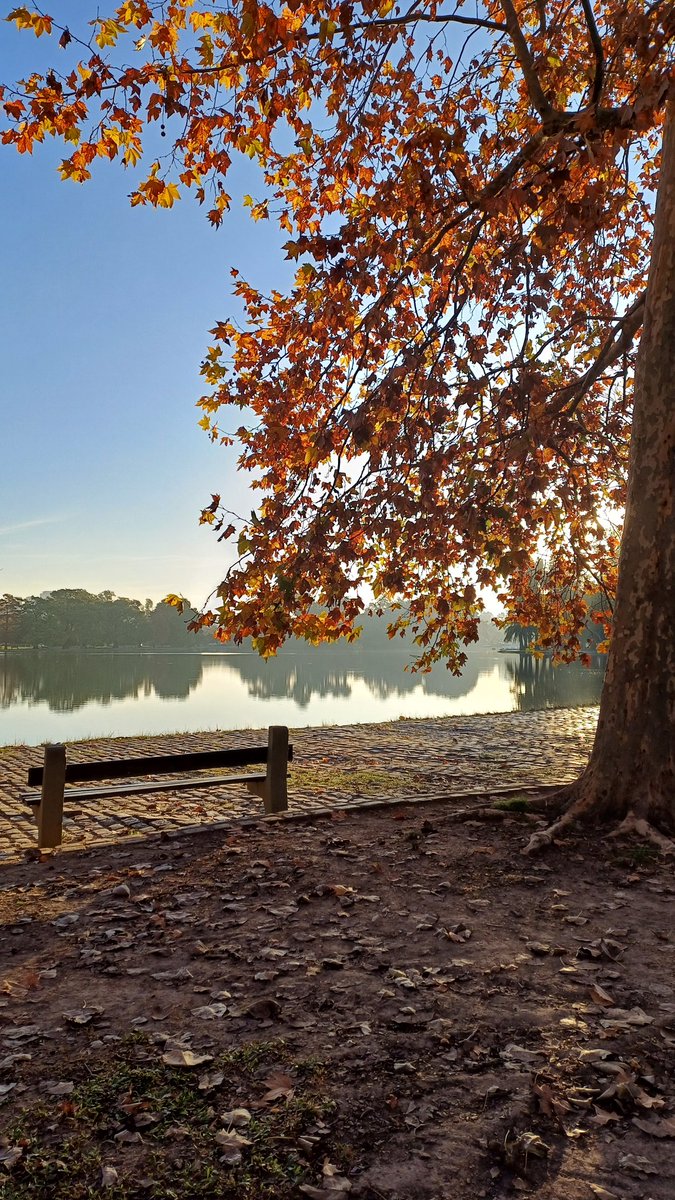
(409, 18)
(534, 88)
(438, 19)
(596, 43)
(616, 344)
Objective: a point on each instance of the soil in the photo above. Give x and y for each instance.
(389, 1004)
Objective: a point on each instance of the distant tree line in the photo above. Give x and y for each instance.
(72, 618)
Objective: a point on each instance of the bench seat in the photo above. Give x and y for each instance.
(72, 795)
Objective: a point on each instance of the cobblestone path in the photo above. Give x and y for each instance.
(332, 764)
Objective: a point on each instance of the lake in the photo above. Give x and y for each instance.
(49, 695)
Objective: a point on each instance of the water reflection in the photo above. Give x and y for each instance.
(66, 682)
(536, 683)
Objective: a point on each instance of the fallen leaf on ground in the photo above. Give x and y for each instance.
(279, 1086)
(625, 1017)
(600, 996)
(660, 1127)
(232, 1145)
(333, 1185)
(539, 949)
(10, 1155)
(172, 976)
(54, 1088)
(180, 1057)
(635, 1164)
(265, 1009)
(210, 1080)
(210, 1012)
(82, 1016)
(601, 948)
(237, 1117)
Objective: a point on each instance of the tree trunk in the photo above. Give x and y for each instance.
(632, 766)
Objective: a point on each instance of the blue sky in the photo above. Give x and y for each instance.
(104, 318)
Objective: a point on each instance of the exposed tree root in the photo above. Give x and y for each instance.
(575, 815)
(544, 837)
(633, 824)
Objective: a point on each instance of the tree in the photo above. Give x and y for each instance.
(11, 608)
(445, 394)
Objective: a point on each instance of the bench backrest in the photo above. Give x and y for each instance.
(157, 764)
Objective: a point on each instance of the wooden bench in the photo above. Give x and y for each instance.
(55, 773)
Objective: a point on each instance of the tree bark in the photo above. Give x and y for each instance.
(632, 765)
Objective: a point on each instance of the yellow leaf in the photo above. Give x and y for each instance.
(168, 197)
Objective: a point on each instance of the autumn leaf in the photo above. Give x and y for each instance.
(231, 1144)
(180, 1056)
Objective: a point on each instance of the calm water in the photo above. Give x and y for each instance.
(51, 696)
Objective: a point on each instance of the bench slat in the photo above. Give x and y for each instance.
(158, 764)
(125, 789)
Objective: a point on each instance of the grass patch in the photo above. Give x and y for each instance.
(154, 1131)
(642, 854)
(518, 804)
(363, 781)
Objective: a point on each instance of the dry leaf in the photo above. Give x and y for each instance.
(659, 1127)
(53, 1088)
(519, 1054)
(333, 1184)
(237, 1117)
(183, 973)
(530, 1143)
(180, 1057)
(279, 1085)
(265, 1009)
(109, 1177)
(635, 1164)
(82, 1016)
(600, 996)
(231, 1144)
(625, 1017)
(10, 1155)
(210, 1012)
(210, 1080)
(539, 949)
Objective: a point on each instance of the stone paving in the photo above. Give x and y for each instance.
(446, 756)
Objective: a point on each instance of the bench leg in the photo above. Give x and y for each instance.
(274, 791)
(50, 812)
(276, 784)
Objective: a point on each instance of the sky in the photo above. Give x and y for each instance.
(104, 319)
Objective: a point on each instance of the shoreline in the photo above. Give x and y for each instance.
(333, 764)
(244, 730)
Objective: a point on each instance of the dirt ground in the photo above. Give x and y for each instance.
(390, 1004)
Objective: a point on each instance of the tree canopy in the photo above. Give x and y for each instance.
(442, 400)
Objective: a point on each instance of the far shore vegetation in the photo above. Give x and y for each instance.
(75, 619)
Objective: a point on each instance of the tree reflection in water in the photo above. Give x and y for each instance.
(536, 683)
(66, 681)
